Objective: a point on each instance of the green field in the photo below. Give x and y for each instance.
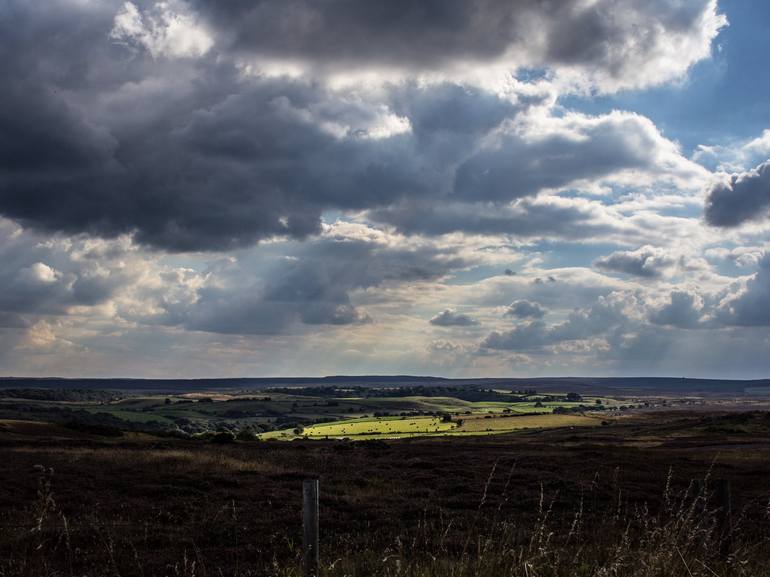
(382, 426)
(370, 427)
(401, 427)
(355, 413)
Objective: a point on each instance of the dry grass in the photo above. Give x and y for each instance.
(167, 460)
(479, 423)
(559, 503)
(694, 533)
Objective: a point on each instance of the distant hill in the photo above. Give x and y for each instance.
(631, 385)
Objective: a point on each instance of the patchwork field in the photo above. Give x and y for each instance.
(317, 412)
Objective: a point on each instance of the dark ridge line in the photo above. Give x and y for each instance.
(628, 384)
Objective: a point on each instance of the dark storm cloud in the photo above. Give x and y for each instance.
(13, 321)
(435, 33)
(451, 318)
(740, 198)
(519, 166)
(645, 262)
(226, 170)
(405, 32)
(42, 132)
(681, 311)
(312, 287)
(209, 161)
(450, 109)
(108, 133)
(524, 218)
(523, 309)
(221, 173)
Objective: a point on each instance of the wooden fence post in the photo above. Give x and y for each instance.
(310, 526)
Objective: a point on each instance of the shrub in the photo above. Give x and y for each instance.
(246, 434)
(223, 437)
(94, 429)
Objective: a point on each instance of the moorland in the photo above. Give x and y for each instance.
(416, 479)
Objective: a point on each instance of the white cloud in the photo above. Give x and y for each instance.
(38, 273)
(742, 256)
(650, 43)
(168, 30)
(452, 318)
(734, 157)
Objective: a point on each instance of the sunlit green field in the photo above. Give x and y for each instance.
(400, 427)
(387, 426)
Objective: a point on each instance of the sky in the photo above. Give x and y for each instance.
(463, 188)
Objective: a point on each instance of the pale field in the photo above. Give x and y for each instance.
(477, 423)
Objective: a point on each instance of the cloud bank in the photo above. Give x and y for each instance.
(240, 184)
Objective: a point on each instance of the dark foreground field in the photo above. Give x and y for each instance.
(654, 495)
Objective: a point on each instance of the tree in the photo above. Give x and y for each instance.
(246, 434)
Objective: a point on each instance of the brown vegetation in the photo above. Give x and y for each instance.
(645, 496)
